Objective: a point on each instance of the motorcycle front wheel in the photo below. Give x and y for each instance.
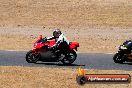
(69, 58)
(32, 58)
(118, 58)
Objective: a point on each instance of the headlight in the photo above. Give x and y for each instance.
(123, 47)
(35, 45)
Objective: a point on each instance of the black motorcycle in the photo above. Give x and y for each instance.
(124, 52)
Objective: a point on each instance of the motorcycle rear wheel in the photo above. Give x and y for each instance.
(70, 58)
(32, 58)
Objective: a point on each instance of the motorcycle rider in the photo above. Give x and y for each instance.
(62, 43)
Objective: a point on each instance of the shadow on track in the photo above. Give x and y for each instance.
(58, 64)
(125, 63)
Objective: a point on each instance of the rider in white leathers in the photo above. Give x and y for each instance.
(61, 41)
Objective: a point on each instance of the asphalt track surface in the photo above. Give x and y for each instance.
(89, 60)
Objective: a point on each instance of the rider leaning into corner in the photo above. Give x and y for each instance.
(61, 41)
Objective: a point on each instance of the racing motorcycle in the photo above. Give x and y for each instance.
(124, 53)
(42, 52)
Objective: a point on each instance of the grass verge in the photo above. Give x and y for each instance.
(36, 77)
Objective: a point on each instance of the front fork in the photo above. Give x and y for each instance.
(35, 51)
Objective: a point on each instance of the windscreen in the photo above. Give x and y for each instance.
(42, 40)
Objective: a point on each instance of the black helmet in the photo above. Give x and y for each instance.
(57, 33)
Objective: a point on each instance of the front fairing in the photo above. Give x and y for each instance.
(40, 42)
(127, 44)
(38, 45)
(125, 47)
(44, 42)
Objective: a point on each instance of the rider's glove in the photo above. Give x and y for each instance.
(52, 48)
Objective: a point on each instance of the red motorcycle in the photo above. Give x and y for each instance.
(42, 52)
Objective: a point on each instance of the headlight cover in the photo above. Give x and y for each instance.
(123, 47)
(35, 45)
